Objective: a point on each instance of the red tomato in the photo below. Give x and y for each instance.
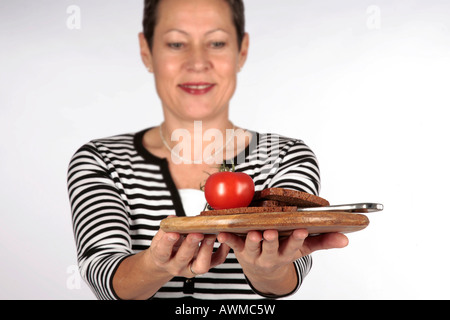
(226, 190)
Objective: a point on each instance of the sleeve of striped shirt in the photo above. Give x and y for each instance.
(298, 170)
(100, 220)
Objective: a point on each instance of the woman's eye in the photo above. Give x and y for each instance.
(218, 44)
(175, 45)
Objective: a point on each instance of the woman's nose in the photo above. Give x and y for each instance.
(198, 60)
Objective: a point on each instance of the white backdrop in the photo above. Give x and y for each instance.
(364, 83)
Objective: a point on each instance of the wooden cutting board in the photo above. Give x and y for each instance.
(271, 209)
(284, 222)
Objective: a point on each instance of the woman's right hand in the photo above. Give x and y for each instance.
(185, 256)
(141, 275)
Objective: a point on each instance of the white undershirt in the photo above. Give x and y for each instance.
(193, 201)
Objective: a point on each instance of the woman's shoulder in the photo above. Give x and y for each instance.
(113, 144)
(271, 149)
(114, 141)
(278, 141)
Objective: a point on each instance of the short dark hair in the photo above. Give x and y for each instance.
(151, 17)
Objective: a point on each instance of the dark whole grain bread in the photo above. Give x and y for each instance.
(245, 210)
(268, 203)
(274, 200)
(291, 197)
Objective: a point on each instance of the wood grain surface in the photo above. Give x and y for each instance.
(284, 222)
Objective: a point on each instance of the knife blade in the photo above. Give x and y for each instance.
(365, 207)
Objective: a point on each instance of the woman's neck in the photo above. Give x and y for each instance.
(197, 141)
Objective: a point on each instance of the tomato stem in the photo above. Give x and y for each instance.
(225, 168)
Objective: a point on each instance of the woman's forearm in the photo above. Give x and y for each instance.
(280, 283)
(137, 278)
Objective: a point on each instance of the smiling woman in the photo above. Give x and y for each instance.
(121, 187)
(195, 55)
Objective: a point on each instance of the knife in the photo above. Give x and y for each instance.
(350, 208)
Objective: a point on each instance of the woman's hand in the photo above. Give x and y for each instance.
(141, 275)
(185, 256)
(267, 260)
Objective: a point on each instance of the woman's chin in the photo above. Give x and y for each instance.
(202, 114)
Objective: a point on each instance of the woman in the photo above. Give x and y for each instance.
(122, 187)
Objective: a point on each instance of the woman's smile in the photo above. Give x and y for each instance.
(197, 88)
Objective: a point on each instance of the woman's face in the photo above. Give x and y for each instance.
(195, 57)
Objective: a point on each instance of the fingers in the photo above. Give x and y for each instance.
(270, 244)
(173, 253)
(177, 254)
(188, 249)
(324, 242)
(267, 245)
(300, 244)
(256, 244)
(220, 255)
(163, 245)
(195, 255)
(202, 262)
(232, 240)
(253, 244)
(292, 245)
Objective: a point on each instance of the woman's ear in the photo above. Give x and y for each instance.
(243, 54)
(146, 54)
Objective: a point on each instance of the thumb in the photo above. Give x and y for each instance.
(324, 242)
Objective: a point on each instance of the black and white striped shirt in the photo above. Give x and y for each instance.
(119, 193)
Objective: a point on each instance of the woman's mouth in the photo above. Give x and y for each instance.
(197, 88)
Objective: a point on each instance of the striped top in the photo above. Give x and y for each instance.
(119, 193)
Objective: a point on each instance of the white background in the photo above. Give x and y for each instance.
(364, 83)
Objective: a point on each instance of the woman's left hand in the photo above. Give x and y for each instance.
(267, 261)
